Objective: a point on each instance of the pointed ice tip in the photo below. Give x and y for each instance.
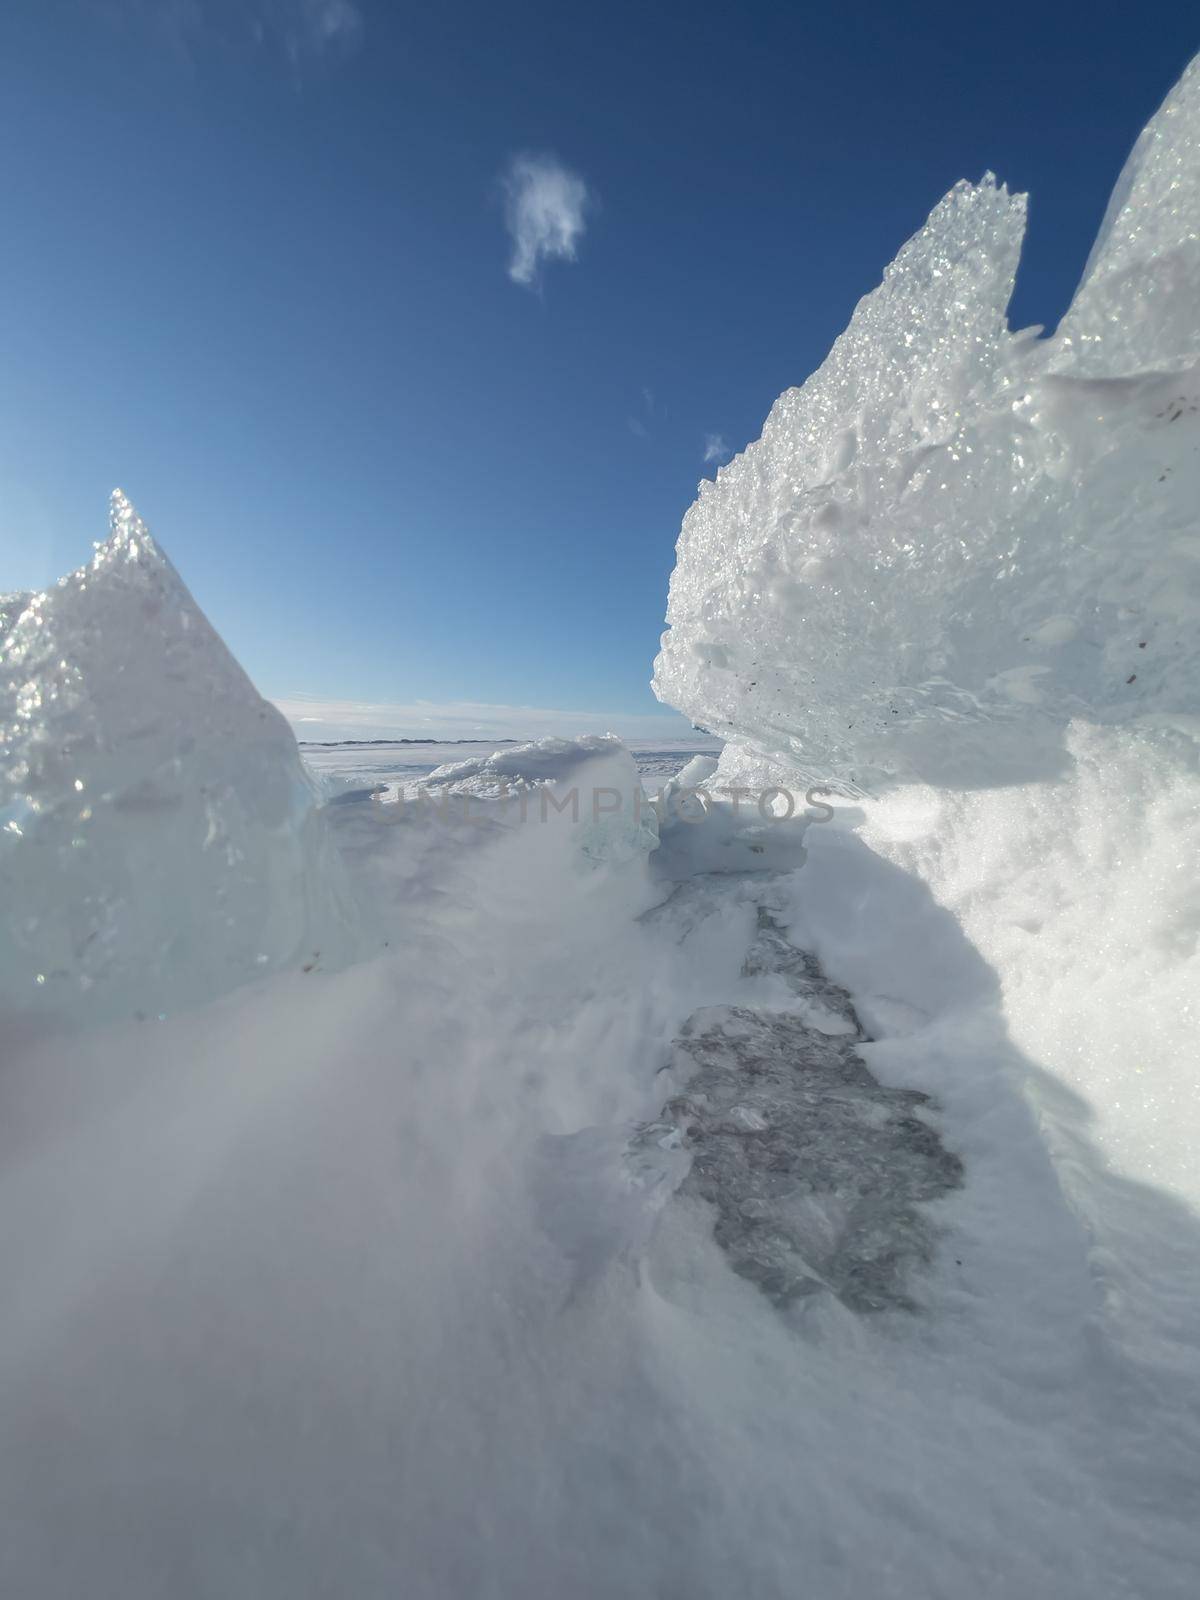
(128, 535)
(121, 515)
(124, 524)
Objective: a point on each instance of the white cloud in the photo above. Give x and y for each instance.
(544, 210)
(314, 717)
(715, 448)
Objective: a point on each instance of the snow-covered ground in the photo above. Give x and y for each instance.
(526, 1189)
(404, 765)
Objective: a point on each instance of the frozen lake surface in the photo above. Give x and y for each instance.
(403, 764)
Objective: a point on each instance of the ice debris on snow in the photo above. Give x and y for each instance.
(159, 837)
(818, 1175)
(591, 782)
(953, 539)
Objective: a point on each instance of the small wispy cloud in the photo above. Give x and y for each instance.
(715, 448)
(316, 27)
(545, 210)
(302, 31)
(641, 426)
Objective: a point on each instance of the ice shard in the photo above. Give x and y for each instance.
(953, 540)
(159, 837)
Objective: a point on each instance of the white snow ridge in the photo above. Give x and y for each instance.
(446, 1197)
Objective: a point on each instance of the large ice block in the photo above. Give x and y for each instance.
(953, 540)
(159, 837)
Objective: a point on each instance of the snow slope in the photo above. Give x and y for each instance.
(363, 1279)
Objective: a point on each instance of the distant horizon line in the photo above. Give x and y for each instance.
(337, 744)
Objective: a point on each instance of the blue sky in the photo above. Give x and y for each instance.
(259, 271)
